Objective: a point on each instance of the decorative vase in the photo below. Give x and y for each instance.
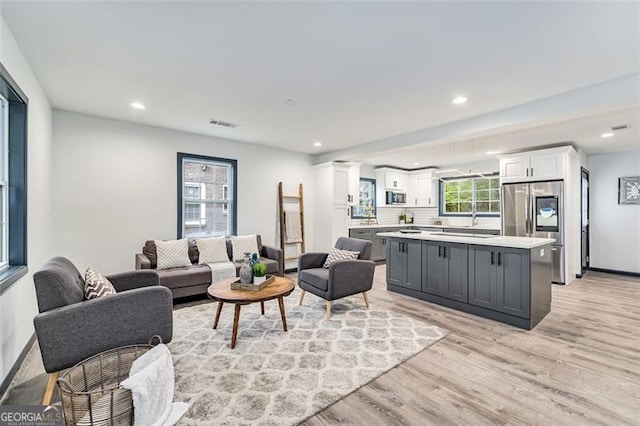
(254, 259)
(246, 273)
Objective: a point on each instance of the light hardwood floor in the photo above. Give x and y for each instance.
(580, 365)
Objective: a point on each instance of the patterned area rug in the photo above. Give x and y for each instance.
(278, 378)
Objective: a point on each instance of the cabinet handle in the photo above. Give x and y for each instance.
(527, 171)
(429, 200)
(492, 259)
(532, 171)
(439, 251)
(416, 201)
(499, 258)
(444, 252)
(384, 241)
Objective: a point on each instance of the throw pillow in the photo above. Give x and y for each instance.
(335, 255)
(243, 244)
(212, 250)
(95, 285)
(173, 254)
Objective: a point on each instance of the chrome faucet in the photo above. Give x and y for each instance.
(474, 219)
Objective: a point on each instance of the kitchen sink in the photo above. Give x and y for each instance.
(460, 234)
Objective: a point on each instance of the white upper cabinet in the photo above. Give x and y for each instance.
(545, 164)
(340, 185)
(422, 189)
(391, 179)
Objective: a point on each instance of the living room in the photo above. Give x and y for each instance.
(101, 173)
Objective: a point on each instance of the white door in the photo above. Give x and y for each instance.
(339, 223)
(340, 185)
(426, 197)
(354, 185)
(412, 191)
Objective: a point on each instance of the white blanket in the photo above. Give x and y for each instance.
(292, 226)
(151, 381)
(221, 271)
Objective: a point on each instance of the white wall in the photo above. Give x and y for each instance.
(615, 229)
(115, 187)
(18, 303)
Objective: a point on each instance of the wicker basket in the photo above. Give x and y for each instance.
(90, 390)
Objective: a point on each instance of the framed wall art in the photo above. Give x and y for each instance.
(629, 190)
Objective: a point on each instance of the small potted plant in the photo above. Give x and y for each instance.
(402, 218)
(259, 273)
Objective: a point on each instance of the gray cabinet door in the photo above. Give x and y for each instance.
(413, 266)
(379, 249)
(455, 271)
(395, 262)
(513, 284)
(483, 276)
(432, 280)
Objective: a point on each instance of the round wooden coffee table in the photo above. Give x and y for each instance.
(221, 291)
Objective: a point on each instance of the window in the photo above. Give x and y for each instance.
(225, 195)
(206, 196)
(13, 181)
(4, 184)
(367, 195)
(459, 195)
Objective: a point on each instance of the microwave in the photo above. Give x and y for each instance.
(395, 197)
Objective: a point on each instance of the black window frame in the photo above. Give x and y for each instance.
(441, 196)
(18, 104)
(197, 157)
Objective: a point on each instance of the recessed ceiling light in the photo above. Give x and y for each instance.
(460, 99)
(290, 102)
(606, 135)
(317, 143)
(416, 164)
(138, 105)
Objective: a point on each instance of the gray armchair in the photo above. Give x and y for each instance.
(71, 329)
(343, 278)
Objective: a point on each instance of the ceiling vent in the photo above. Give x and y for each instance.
(222, 123)
(619, 127)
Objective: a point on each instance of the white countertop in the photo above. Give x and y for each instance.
(496, 241)
(421, 225)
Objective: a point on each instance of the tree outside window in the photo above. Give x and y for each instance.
(458, 196)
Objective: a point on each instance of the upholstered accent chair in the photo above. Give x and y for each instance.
(70, 329)
(342, 278)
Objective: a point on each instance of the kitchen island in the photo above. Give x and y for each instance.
(507, 279)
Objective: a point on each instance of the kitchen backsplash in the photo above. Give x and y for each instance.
(423, 216)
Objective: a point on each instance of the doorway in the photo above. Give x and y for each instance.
(584, 222)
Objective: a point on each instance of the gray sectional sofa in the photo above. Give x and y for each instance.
(196, 278)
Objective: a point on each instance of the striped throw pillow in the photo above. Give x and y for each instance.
(95, 285)
(336, 255)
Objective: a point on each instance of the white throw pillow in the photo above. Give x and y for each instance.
(95, 285)
(212, 250)
(244, 244)
(173, 254)
(336, 255)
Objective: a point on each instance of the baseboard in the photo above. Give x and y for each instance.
(614, 271)
(16, 366)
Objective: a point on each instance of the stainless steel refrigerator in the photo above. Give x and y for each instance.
(537, 210)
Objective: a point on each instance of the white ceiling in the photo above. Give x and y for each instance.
(584, 133)
(359, 71)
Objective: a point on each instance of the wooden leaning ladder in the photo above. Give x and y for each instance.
(281, 201)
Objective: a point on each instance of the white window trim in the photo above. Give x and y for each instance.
(203, 206)
(4, 182)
